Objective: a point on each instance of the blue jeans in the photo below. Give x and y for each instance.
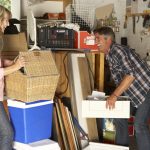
(142, 131)
(6, 131)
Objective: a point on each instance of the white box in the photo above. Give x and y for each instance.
(40, 145)
(97, 109)
(100, 146)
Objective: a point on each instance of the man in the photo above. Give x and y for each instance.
(132, 78)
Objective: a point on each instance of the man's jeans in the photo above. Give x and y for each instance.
(142, 131)
(6, 132)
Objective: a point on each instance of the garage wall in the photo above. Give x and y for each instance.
(137, 41)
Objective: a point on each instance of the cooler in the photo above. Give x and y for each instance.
(31, 121)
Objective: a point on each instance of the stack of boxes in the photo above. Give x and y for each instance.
(30, 92)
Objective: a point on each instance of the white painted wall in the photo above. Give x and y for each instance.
(140, 43)
(15, 9)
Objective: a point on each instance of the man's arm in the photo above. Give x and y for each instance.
(124, 85)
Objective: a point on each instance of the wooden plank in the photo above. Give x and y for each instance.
(76, 138)
(63, 132)
(58, 130)
(86, 86)
(77, 95)
(87, 90)
(62, 67)
(99, 85)
(101, 73)
(66, 126)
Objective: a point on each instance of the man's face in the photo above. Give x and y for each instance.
(103, 42)
(4, 22)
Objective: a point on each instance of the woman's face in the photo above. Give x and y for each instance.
(5, 22)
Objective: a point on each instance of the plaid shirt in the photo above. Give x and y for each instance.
(124, 61)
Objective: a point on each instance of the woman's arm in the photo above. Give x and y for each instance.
(16, 66)
(7, 63)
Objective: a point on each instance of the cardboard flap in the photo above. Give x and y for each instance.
(15, 42)
(104, 11)
(39, 63)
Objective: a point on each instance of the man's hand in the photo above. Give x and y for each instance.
(110, 103)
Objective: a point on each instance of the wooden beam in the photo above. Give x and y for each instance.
(101, 73)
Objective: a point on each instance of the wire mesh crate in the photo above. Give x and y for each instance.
(84, 15)
(55, 37)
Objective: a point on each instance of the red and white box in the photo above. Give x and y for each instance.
(84, 40)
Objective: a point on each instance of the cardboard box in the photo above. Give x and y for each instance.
(97, 109)
(84, 40)
(31, 121)
(100, 146)
(40, 145)
(13, 44)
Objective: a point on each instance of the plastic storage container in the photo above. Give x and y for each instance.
(55, 37)
(31, 121)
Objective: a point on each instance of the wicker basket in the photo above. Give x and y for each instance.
(38, 80)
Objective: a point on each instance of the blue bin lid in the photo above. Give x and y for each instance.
(19, 104)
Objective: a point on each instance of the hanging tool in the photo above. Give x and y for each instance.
(134, 22)
(149, 4)
(125, 22)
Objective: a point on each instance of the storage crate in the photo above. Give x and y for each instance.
(96, 108)
(31, 121)
(55, 37)
(37, 81)
(84, 40)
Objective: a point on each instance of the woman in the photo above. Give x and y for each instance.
(6, 67)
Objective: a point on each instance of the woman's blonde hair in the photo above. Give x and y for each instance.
(3, 10)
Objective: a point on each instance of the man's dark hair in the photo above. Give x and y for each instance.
(106, 31)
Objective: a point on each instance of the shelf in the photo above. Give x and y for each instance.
(138, 14)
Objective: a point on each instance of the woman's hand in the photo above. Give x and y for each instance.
(20, 62)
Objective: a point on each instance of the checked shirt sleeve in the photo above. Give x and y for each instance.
(125, 62)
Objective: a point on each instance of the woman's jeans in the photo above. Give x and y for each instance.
(6, 132)
(142, 131)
